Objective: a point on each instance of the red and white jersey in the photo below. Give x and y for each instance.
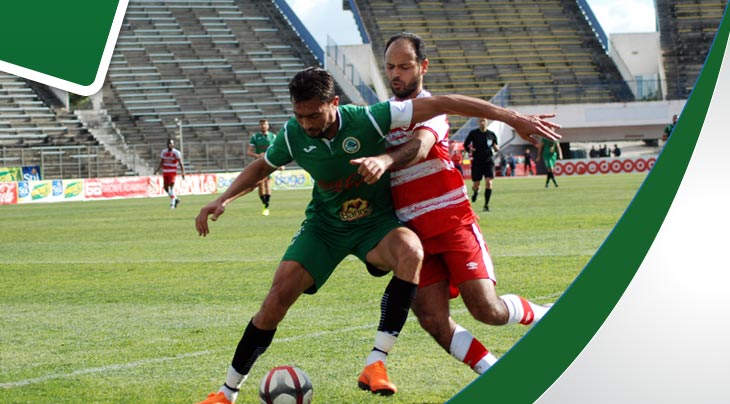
(429, 196)
(170, 160)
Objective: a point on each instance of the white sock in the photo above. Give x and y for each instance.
(485, 363)
(522, 310)
(383, 344)
(469, 350)
(234, 380)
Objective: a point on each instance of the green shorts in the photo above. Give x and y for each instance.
(550, 160)
(320, 248)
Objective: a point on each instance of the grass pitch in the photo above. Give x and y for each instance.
(121, 302)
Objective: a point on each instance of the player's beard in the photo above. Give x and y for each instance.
(407, 90)
(322, 133)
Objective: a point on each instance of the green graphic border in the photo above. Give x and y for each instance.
(67, 45)
(546, 351)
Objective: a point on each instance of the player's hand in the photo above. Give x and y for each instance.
(370, 168)
(529, 126)
(214, 210)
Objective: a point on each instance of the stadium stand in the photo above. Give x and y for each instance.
(686, 28)
(218, 66)
(213, 68)
(544, 50)
(34, 130)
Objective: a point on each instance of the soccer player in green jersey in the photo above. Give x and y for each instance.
(259, 142)
(348, 213)
(669, 128)
(549, 150)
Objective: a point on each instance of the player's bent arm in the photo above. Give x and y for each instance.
(412, 151)
(409, 153)
(525, 125)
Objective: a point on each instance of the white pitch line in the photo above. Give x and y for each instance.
(135, 364)
(120, 366)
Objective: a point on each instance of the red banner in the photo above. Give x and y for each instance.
(604, 166)
(122, 187)
(193, 184)
(8, 193)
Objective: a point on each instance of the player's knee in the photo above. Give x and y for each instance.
(409, 258)
(273, 310)
(432, 323)
(494, 313)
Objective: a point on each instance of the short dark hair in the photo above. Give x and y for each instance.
(418, 45)
(312, 83)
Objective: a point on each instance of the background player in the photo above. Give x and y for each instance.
(669, 128)
(482, 143)
(550, 152)
(257, 146)
(430, 197)
(170, 159)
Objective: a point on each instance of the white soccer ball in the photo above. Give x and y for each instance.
(286, 385)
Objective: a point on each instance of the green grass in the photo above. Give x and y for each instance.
(121, 302)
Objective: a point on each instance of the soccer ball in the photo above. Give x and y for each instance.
(286, 385)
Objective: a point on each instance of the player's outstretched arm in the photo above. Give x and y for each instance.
(526, 126)
(246, 181)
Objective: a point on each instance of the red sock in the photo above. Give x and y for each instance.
(475, 353)
(528, 315)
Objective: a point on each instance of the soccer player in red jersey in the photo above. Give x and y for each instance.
(170, 159)
(429, 195)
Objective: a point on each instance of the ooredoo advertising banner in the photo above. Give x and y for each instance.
(604, 166)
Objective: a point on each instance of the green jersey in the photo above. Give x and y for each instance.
(549, 152)
(340, 196)
(549, 148)
(261, 141)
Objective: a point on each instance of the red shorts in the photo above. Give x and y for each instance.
(168, 180)
(457, 255)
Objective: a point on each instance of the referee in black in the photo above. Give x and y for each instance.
(482, 143)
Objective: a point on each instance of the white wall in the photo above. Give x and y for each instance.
(637, 54)
(640, 51)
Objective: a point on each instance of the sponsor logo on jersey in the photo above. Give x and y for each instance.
(309, 148)
(354, 180)
(350, 145)
(355, 209)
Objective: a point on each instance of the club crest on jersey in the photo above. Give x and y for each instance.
(350, 145)
(355, 209)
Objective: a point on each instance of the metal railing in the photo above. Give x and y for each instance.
(65, 162)
(68, 162)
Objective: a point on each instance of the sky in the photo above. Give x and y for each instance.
(323, 17)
